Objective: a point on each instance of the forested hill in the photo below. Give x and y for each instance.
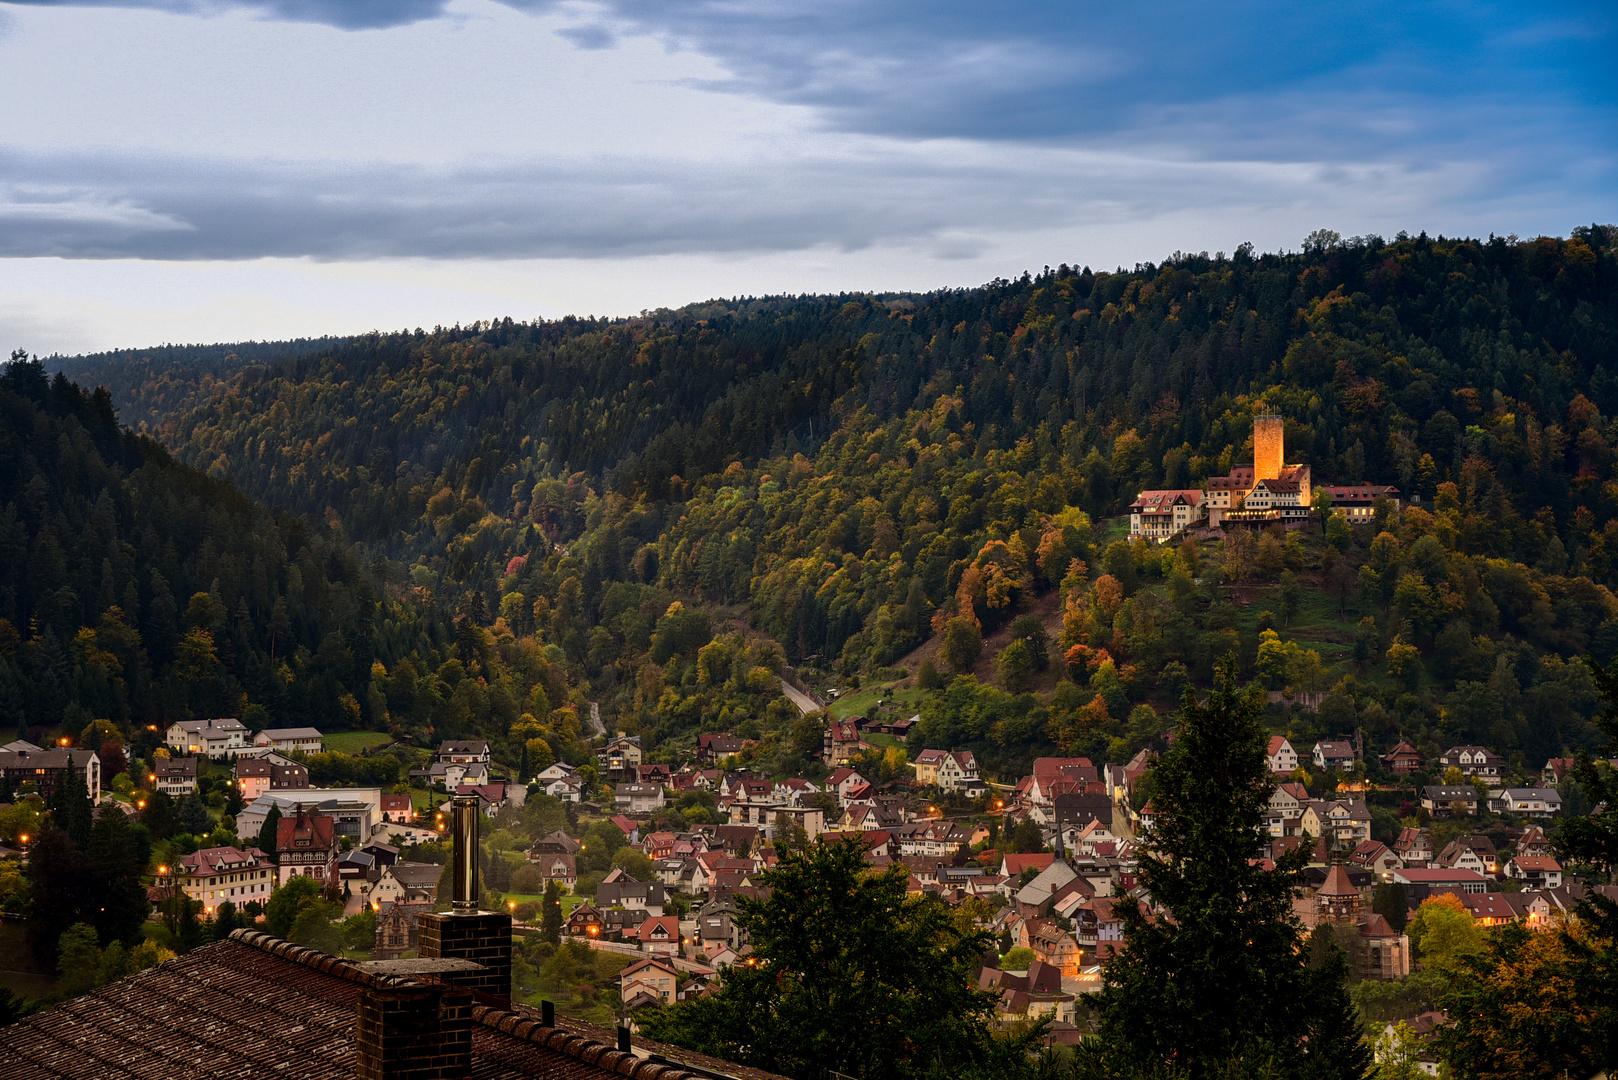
(856, 476)
(136, 589)
(147, 384)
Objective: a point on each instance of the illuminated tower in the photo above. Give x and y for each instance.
(1268, 456)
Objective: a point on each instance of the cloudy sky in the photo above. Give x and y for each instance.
(220, 170)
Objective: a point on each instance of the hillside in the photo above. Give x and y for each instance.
(841, 481)
(136, 589)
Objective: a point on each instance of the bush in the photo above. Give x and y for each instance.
(527, 879)
(1017, 960)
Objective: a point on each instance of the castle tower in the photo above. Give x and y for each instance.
(1268, 455)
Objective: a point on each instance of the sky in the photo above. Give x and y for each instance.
(231, 170)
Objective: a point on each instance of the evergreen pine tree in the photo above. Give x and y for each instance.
(1219, 981)
(551, 924)
(116, 860)
(266, 832)
(70, 804)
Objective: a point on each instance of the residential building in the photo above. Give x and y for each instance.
(1402, 760)
(397, 809)
(218, 738)
(175, 776)
(648, 982)
(404, 883)
(619, 890)
(1158, 515)
(398, 929)
(659, 935)
(43, 768)
(1535, 871)
(306, 844)
(714, 748)
(1281, 757)
(926, 765)
(1357, 502)
(562, 869)
(1414, 846)
(1445, 800)
(842, 743)
(1052, 945)
(1334, 754)
(959, 772)
(255, 776)
(620, 757)
(1527, 802)
(639, 798)
(586, 921)
(1376, 857)
(1474, 761)
(219, 874)
(1460, 856)
(299, 740)
(463, 752)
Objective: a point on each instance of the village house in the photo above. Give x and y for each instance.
(257, 775)
(1414, 846)
(397, 809)
(299, 740)
(216, 875)
(1475, 761)
(648, 982)
(1376, 857)
(959, 772)
(1402, 760)
(1052, 945)
(1527, 802)
(1158, 515)
(1458, 856)
(1345, 823)
(404, 883)
(562, 869)
(398, 928)
(842, 781)
(218, 738)
(1334, 754)
(306, 845)
(715, 748)
(639, 798)
(926, 765)
(1285, 809)
(1535, 871)
(1445, 800)
(659, 936)
(619, 890)
(1357, 502)
(620, 757)
(1281, 757)
(585, 921)
(842, 743)
(176, 776)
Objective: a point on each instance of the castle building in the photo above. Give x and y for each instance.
(1266, 491)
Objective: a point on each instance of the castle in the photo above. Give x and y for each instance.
(1264, 492)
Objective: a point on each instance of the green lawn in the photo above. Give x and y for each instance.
(861, 701)
(356, 742)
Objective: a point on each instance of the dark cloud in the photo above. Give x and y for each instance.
(344, 14)
(83, 206)
(589, 36)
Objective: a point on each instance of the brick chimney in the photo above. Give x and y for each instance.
(413, 1031)
(464, 932)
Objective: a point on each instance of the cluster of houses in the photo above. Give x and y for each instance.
(224, 738)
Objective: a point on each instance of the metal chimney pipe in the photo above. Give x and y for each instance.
(464, 869)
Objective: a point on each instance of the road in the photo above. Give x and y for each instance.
(802, 700)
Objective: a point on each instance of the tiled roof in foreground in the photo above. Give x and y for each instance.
(254, 1006)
